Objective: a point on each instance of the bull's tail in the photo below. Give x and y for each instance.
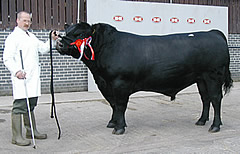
(228, 82)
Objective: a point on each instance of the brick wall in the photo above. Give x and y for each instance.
(71, 75)
(234, 49)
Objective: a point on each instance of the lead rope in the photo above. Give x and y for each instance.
(53, 108)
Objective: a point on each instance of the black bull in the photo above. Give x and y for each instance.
(126, 63)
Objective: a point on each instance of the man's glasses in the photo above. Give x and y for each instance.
(27, 21)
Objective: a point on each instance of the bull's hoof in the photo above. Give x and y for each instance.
(214, 129)
(111, 125)
(200, 123)
(118, 131)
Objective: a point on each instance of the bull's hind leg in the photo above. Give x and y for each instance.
(202, 88)
(216, 99)
(214, 87)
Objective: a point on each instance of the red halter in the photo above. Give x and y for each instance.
(81, 44)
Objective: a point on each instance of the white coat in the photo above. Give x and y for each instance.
(30, 46)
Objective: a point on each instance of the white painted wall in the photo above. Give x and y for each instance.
(108, 11)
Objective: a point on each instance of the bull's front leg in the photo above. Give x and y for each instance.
(119, 105)
(119, 118)
(113, 122)
(107, 92)
(117, 94)
(118, 121)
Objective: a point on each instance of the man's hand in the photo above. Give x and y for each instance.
(55, 35)
(21, 75)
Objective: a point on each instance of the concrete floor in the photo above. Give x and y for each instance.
(155, 125)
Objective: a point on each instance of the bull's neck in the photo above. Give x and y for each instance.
(91, 64)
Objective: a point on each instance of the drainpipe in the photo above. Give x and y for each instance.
(78, 12)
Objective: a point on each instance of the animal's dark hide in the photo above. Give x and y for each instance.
(126, 63)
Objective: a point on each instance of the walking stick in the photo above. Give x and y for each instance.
(28, 105)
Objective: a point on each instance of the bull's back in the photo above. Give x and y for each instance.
(174, 62)
(165, 62)
(190, 51)
(200, 49)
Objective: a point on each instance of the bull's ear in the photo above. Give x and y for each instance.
(66, 26)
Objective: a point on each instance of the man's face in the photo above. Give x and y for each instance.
(24, 21)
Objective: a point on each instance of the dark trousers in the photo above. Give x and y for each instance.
(20, 105)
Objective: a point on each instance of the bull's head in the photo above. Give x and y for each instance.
(66, 45)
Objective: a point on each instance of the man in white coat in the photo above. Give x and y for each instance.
(30, 45)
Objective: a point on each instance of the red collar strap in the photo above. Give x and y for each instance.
(81, 44)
